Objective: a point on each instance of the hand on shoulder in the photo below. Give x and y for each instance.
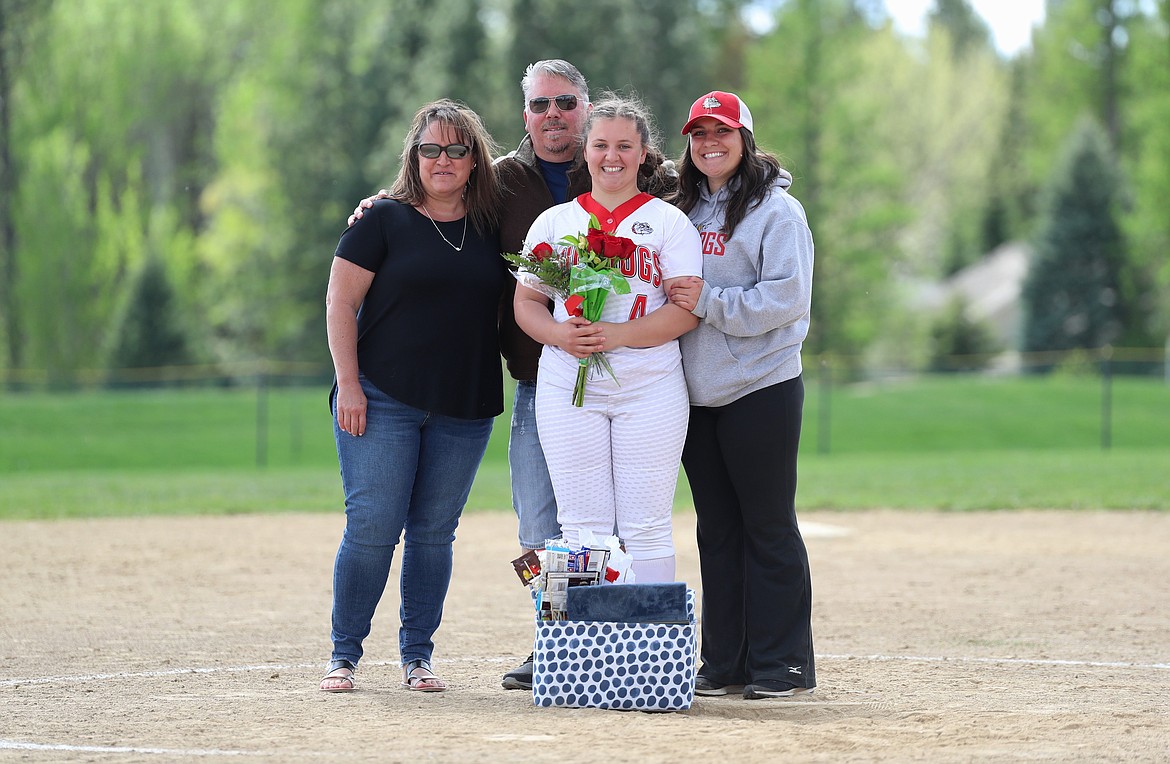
(366, 204)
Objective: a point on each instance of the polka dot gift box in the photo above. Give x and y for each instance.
(619, 664)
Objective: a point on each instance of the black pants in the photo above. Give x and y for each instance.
(740, 461)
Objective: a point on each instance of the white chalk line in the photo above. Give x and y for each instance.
(826, 656)
(212, 670)
(17, 745)
(1011, 661)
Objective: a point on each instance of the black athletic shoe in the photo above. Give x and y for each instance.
(774, 688)
(706, 686)
(520, 678)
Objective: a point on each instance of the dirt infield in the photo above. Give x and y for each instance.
(940, 637)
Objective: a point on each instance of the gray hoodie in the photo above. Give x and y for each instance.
(755, 301)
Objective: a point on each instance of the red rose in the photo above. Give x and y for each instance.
(609, 246)
(596, 239)
(619, 247)
(575, 305)
(542, 251)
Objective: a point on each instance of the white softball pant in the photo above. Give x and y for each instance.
(615, 460)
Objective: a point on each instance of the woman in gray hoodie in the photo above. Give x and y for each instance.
(743, 373)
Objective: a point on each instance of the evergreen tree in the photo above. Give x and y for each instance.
(151, 332)
(1072, 294)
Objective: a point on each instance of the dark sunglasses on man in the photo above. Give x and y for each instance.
(540, 105)
(432, 150)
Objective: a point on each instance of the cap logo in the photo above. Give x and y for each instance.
(711, 102)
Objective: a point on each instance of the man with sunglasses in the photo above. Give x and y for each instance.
(537, 175)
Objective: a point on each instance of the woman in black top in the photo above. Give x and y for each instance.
(411, 312)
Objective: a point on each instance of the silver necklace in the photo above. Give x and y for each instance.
(436, 225)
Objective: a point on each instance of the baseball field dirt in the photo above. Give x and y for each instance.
(940, 637)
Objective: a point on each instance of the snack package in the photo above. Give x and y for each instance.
(556, 595)
(556, 555)
(527, 567)
(596, 561)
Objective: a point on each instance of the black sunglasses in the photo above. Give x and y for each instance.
(432, 150)
(540, 105)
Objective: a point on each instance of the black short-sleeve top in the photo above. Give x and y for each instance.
(427, 329)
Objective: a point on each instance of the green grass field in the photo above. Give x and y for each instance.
(934, 443)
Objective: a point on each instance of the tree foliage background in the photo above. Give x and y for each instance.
(1074, 289)
(217, 146)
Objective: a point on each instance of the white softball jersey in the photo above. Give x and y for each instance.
(668, 246)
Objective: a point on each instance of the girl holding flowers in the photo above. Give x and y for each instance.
(614, 453)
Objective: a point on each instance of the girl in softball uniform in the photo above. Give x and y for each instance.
(614, 461)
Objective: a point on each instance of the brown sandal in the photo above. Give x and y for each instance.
(426, 681)
(340, 671)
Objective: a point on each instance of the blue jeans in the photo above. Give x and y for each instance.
(411, 470)
(532, 491)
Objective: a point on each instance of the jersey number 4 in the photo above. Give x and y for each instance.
(638, 309)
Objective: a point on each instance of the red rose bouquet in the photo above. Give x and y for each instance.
(583, 276)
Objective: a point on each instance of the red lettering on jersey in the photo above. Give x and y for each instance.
(638, 309)
(646, 262)
(644, 265)
(629, 266)
(712, 242)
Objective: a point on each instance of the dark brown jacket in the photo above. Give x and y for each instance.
(525, 196)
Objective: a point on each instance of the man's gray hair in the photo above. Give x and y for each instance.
(555, 67)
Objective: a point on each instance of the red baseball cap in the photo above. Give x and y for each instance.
(728, 108)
